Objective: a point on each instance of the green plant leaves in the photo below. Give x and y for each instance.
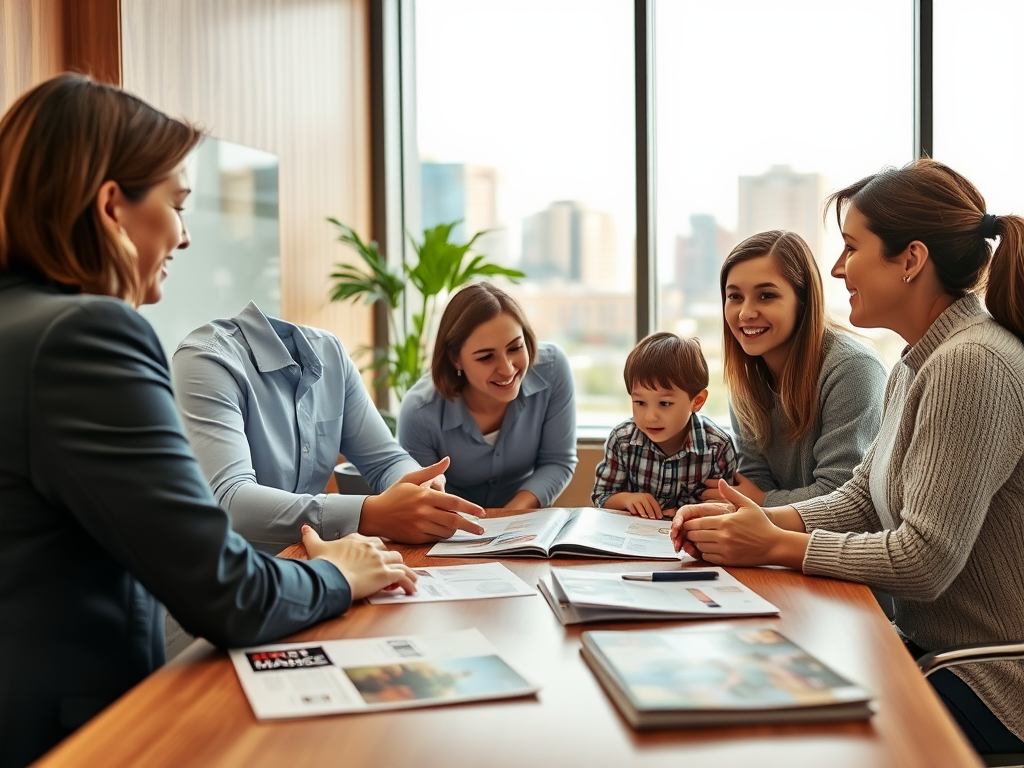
(439, 269)
(380, 283)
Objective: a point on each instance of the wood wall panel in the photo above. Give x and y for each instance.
(41, 38)
(30, 45)
(92, 38)
(286, 76)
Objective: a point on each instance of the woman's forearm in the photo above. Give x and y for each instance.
(786, 518)
(789, 549)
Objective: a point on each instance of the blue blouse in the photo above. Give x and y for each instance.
(536, 446)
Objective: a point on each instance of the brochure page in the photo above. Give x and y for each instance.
(477, 581)
(596, 530)
(531, 532)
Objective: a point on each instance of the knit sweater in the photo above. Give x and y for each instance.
(955, 490)
(850, 388)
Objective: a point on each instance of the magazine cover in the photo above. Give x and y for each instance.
(372, 674)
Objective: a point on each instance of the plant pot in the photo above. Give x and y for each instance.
(350, 481)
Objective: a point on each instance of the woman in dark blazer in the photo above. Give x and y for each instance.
(103, 509)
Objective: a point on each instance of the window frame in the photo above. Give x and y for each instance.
(393, 138)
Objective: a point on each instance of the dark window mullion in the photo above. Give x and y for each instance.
(646, 305)
(923, 18)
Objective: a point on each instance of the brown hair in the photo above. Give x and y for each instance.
(466, 311)
(930, 202)
(60, 142)
(749, 379)
(665, 360)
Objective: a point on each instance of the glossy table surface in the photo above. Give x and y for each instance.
(193, 712)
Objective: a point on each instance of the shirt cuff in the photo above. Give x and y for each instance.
(814, 513)
(338, 595)
(339, 514)
(821, 558)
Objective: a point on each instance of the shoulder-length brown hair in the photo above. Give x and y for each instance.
(930, 202)
(466, 311)
(59, 143)
(752, 389)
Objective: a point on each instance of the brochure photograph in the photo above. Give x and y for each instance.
(371, 674)
(578, 596)
(578, 531)
(717, 675)
(476, 581)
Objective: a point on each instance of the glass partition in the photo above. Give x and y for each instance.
(234, 257)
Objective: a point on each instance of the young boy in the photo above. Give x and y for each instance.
(660, 459)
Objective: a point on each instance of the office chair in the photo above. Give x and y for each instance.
(973, 654)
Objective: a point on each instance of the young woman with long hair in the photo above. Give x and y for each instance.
(805, 396)
(501, 404)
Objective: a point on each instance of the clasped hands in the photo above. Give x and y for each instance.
(731, 531)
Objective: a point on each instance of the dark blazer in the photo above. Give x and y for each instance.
(103, 510)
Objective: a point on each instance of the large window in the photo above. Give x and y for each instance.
(978, 110)
(524, 127)
(521, 117)
(763, 109)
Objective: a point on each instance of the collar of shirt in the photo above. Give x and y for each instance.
(265, 337)
(456, 415)
(696, 441)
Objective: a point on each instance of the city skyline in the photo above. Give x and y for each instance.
(740, 87)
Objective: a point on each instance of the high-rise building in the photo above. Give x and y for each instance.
(570, 242)
(699, 257)
(781, 198)
(467, 194)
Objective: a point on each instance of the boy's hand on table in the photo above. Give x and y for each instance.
(641, 505)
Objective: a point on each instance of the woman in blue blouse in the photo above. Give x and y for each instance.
(498, 403)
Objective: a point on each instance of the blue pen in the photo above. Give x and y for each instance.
(672, 576)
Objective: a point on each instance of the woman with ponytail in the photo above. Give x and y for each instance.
(806, 396)
(934, 515)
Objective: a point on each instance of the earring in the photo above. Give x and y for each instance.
(906, 278)
(458, 371)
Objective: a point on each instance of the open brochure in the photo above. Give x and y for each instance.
(577, 596)
(580, 531)
(718, 675)
(367, 675)
(476, 581)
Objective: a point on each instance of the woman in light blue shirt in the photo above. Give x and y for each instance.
(498, 403)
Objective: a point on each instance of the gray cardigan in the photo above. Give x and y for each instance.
(850, 388)
(955, 488)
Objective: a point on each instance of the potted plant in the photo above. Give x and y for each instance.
(441, 267)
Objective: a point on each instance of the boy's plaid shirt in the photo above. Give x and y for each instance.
(633, 463)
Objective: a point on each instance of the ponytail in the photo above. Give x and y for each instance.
(1004, 294)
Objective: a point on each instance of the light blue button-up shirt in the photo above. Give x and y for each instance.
(536, 446)
(267, 407)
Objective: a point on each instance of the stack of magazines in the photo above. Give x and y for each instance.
(718, 675)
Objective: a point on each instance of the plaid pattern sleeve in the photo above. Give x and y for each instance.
(724, 459)
(707, 455)
(612, 474)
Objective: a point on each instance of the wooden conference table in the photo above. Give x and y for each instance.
(193, 712)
